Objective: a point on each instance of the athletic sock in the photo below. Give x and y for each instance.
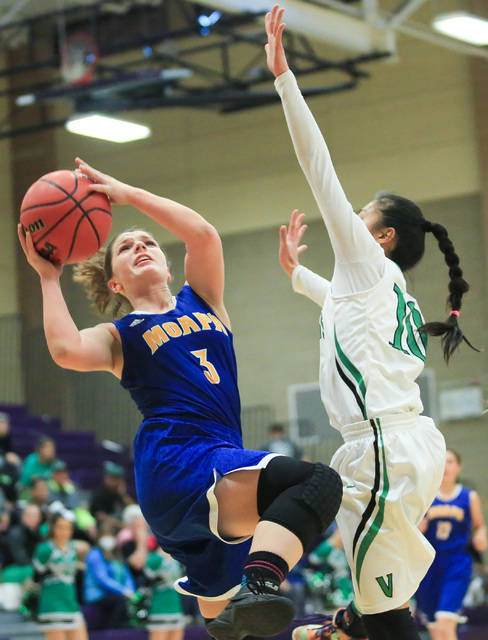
(265, 571)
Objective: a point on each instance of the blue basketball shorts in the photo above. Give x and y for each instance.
(442, 591)
(177, 466)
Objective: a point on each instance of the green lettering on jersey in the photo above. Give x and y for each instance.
(406, 314)
(386, 587)
(321, 324)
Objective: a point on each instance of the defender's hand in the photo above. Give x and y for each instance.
(290, 238)
(275, 53)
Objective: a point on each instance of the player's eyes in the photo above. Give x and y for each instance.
(151, 242)
(123, 248)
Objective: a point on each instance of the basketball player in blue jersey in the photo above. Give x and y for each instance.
(237, 520)
(373, 342)
(453, 520)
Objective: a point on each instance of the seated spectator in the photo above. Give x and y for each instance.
(22, 539)
(55, 563)
(36, 493)
(6, 449)
(132, 540)
(63, 491)
(278, 442)
(4, 527)
(61, 488)
(109, 501)
(39, 463)
(108, 585)
(9, 477)
(39, 495)
(10, 463)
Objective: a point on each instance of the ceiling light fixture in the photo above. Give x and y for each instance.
(97, 125)
(463, 26)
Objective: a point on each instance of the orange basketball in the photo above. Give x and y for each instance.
(68, 222)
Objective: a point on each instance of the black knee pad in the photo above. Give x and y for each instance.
(280, 474)
(322, 493)
(304, 501)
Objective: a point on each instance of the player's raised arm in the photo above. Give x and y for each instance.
(349, 236)
(87, 350)
(204, 262)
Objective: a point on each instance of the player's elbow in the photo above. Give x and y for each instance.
(205, 235)
(207, 231)
(63, 356)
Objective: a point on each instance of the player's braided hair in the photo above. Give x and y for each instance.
(411, 226)
(450, 331)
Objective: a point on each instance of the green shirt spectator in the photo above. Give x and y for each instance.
(40, 463)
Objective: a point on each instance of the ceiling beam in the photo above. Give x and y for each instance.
(403, 11)
(317, 23)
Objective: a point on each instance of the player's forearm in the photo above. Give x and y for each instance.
(480, 539)
(350, 238)
(62, 335)
(310, 284)
(188, 225)
(314, 158)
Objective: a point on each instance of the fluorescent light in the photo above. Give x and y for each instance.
(25, 100)
(463, 26)
(103, 127)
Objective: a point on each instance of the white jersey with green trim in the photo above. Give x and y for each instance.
(370, 349)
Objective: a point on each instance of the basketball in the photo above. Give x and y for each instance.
(68, 222)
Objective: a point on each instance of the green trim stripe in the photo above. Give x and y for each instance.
(350, 367)
(378, 521)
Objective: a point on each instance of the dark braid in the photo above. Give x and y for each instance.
(450, 331)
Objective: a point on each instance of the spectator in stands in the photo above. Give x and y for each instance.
(55, 563)
(22, 539)
(39, 495)
(61, 488)
(6, 448)
(108, 585)
(9, 477)
(278, 442)
(132, 541)
(9, 462)
(63, 491)
(110, 500)
(4, 527)
(39, 463)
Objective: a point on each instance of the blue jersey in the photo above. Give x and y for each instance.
(449, 522)
(181, 364)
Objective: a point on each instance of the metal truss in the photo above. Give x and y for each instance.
(168, 61)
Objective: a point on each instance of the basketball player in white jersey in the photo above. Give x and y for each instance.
(372, 348)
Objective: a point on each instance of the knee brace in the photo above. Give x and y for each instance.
(301, 496)
(322, 493)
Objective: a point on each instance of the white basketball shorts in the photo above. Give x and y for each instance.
(391, 468)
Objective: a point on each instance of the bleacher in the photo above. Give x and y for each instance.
(83, 455)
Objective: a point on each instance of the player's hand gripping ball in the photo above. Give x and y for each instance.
(67, 221)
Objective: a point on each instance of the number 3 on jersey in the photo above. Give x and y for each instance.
(210, 372)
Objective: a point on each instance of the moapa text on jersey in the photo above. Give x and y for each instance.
(159, 334)
(446, 511)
